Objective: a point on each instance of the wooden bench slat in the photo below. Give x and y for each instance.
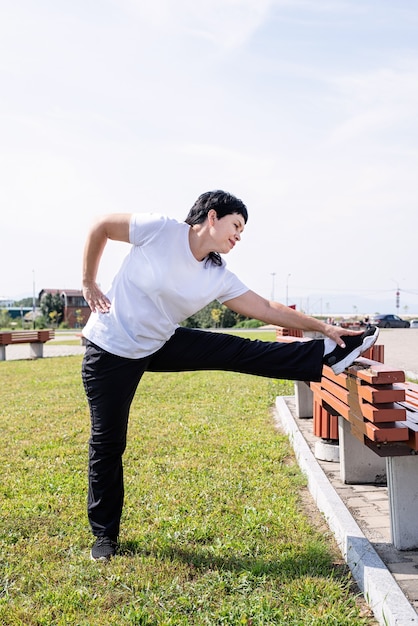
(339, 392)
(376, 413)
(325, 424)
(411, 417)
(391, 432)
(381, 414)
(378, 432)
(411, 392)
(376, 395)
(413, 435)
(376, 373)
(373, 394)
(375, 401)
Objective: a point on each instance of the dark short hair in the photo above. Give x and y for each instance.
(223, 203)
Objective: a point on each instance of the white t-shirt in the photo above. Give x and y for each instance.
(159, 284)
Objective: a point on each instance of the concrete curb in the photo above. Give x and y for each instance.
(382, 593)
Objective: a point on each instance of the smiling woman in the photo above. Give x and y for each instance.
(172, 271)
(225, 234)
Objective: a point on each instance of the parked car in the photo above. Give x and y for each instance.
(389, 321)
(414, 323)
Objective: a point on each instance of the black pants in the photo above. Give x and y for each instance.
(110, 382)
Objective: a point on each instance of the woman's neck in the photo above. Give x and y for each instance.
(198, 242)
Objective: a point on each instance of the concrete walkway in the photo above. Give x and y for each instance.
(401, 348)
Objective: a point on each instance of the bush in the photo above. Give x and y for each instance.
(5, 319)
(250, 323)
(41, 322)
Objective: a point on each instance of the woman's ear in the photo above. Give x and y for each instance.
(212, 216)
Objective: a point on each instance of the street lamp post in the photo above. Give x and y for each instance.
(273, 274)
(33, 299)
(287, 289)
(398, 295)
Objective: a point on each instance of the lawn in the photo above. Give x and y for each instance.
(215, 529)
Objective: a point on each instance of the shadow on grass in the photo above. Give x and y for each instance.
(292, 562)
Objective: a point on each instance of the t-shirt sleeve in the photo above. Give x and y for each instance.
(144, 227)
(232, 287)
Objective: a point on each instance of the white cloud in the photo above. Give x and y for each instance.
(304, 108)
(224, 23)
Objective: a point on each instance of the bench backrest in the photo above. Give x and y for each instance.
(26, 336)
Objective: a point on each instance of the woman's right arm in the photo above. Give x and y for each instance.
(115, 227)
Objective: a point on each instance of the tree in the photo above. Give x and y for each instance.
(78, 318)
(52, 307)
(214, 314)
(24, 302)
(5, 318)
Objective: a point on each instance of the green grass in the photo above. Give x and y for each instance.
(214, 530)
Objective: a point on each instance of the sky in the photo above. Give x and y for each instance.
(304, 109)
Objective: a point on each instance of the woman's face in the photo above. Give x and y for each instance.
(226, 231)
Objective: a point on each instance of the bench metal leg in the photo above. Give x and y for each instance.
(358, 464)
(303, 399)
(36, 350)
(2, 353)
(403, 501)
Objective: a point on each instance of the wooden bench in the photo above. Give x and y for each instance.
(35, 338)
(373, 412)
(367, 398)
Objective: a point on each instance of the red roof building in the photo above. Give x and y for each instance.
(76, 310)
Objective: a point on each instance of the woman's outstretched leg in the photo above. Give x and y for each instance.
(190, 349)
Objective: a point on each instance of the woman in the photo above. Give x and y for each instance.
(172, 271)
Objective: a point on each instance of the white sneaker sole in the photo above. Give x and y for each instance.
(100, 559)
(339, 367)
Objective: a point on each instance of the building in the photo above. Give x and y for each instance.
(5, 302)
(75, 308)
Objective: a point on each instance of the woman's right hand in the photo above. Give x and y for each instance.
(95, 298)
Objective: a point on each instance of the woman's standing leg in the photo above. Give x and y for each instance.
(110, 383)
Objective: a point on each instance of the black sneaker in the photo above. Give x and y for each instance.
(104, 548)
(340, 358)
